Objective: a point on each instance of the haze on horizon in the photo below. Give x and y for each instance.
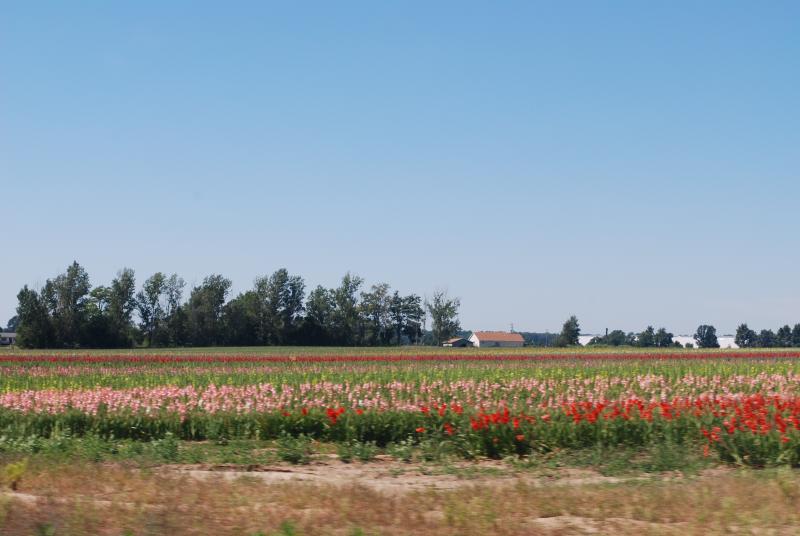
(632, 164)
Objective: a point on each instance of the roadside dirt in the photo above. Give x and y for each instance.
(386, 475)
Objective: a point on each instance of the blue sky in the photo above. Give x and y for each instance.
(632, 163)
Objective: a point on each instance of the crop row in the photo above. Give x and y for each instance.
(398, 357)
(752, 429)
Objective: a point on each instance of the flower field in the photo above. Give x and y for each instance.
(743, 407)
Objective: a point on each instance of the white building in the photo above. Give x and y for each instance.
(496, 339)
(7, 338)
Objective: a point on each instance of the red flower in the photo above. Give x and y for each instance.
(420, 430)
(520, 438)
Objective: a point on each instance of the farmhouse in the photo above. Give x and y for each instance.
(458, 342)
(7, 339)
(496, 339)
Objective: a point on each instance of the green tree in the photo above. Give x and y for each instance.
(345, 318)
(615, 337)
(570, 332)
(663, 338)
(795, 335)
(175, 318)
(318, 321)
(374, 309)
(767, 339)
(280, 305)
(13, 324)
(444, 316)
(706, 337)
(784, 337)
(149, 305)
(406, 314)
(66, 297)
(241, 320)
(204, 309)
(745, 337)
(646, 338)
(121, 304)
(35, 328)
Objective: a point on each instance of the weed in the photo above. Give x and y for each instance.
(12, 473)
(295, 450)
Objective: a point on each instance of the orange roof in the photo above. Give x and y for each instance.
(498, 336)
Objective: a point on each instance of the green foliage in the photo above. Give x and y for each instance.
(69, 313)
(295, 450)
(12, 473)
(706, 337)
(362, 451)
(402, 450)
(444, 316)
(745, 337)
(167, 448)
(569, 332)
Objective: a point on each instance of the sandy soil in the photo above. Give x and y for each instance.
(386, 475)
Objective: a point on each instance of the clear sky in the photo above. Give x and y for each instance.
(632, 163)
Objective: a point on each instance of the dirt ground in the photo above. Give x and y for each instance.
(389, 497)
(386, 475)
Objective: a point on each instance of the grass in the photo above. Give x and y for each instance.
(59, 499)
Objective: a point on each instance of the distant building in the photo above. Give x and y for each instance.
(458, 342)
(8, 339)
(496, 339)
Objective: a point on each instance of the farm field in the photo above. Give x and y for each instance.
(442, 433)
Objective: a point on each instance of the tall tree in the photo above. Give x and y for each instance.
(767, 339)
(784, 337)
(570, 332)
(443, 311)
(406, 314)
(149, 305)
(204, 309)
(34, 329)
(663, 338)
(745, 337)
(121, 304)
(795, 335)
(280, 305)
(375, 311)
(13, 324)
(706, 337)
(646, 338)
(345, 317)
(175, 330)
(240, 319)
(173, 294)
(317, 324)
(66, 297)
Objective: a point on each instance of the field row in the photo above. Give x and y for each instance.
(741, 406)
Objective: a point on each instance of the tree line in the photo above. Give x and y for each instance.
(785, 337)
(68, 313)
(704, 337)
(648, 338)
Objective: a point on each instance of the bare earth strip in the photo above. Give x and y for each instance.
(391, 498)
